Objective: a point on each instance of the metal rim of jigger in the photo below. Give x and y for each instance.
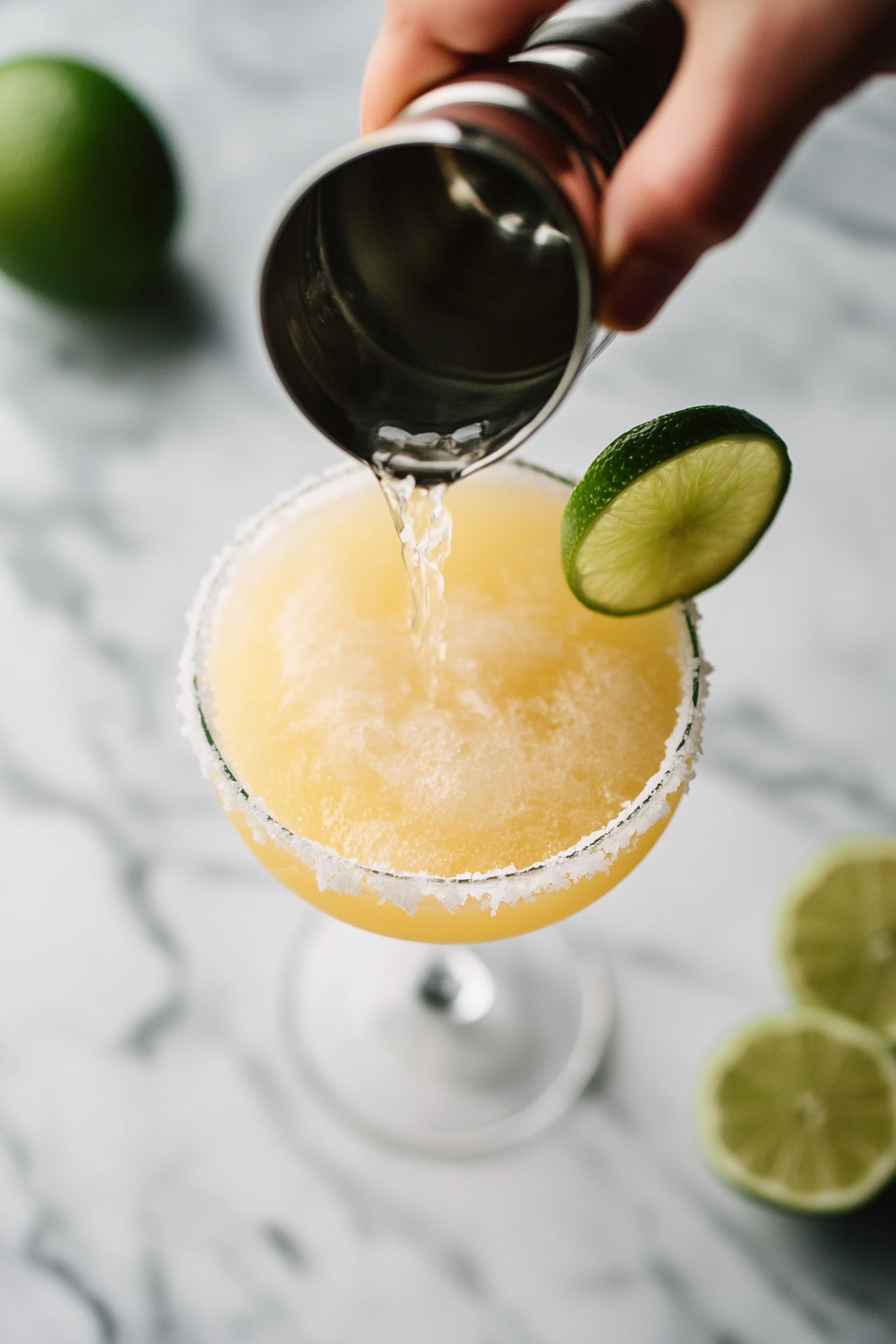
(590, 340)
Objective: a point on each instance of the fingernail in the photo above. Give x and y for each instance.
(638, 288)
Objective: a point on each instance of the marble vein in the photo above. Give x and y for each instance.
(164, 1175)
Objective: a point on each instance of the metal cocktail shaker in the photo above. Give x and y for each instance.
(430, 292)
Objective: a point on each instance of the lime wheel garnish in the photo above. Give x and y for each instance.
(671, 508)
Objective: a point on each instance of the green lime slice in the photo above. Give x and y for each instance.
(800, 1110)
(837, 933)
(671, 507)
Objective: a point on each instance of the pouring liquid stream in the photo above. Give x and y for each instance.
(423, 524)
(414, 471)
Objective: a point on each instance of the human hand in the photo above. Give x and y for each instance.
(753, 75)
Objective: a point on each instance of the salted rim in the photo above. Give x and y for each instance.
(593, 854)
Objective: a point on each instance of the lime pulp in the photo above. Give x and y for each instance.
(671, 507)
(800, 1110)
(837, 932)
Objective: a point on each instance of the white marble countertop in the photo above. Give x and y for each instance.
(163, 1175)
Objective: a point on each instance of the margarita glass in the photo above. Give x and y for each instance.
(529, 777)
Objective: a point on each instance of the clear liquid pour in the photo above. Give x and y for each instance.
(423, 524)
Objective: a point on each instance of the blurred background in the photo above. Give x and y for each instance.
(163, 1173)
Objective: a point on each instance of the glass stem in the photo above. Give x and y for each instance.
(458, 985)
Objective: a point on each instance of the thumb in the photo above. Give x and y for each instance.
(750, 80)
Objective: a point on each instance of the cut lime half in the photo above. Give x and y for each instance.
(837, 934)
(671, 507)
(800, 1110)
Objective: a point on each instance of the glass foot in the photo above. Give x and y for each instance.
(446, 1050)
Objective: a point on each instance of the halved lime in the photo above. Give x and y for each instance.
(837, 934)
(800, 1110)
(671, 507)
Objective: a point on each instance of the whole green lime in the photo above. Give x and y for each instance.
(88, 194)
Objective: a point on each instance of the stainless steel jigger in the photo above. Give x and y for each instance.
(430, 292)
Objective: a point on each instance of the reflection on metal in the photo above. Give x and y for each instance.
(459, 985)
(429, 294)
